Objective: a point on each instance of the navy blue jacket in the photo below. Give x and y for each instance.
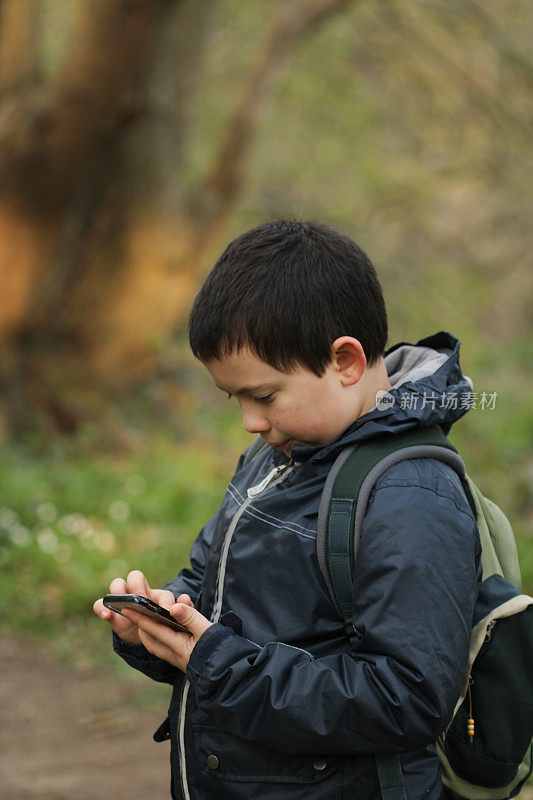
(274, 703)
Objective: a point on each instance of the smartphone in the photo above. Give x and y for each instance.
(116, 602)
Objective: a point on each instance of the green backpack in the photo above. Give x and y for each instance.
(492, 762)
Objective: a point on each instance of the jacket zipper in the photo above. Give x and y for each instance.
(274, 477)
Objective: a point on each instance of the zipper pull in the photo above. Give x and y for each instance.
(470, 725)
(258, 488)
(490, 628)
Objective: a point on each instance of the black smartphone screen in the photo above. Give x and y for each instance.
(116, 602)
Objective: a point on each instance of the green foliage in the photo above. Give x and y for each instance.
(69, 524)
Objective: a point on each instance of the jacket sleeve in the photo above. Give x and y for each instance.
(190, 578)
(188, 581)
(414, 592)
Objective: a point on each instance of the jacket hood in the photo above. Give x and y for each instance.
(427, 389)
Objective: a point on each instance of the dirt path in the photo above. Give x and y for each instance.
(66, 736)
(63, 741)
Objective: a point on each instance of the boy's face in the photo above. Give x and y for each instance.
(286, 408)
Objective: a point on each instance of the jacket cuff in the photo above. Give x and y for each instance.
(123, 648)
(208, 642)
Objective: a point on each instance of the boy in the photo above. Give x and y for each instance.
(270, 699)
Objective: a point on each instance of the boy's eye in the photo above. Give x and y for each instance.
(265, 399)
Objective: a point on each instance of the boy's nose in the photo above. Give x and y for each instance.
(254, 423)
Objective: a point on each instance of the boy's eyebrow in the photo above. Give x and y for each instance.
(245, 389)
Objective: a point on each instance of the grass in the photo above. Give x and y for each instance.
(70, 521)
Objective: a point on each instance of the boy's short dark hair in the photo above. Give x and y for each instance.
(287, 290)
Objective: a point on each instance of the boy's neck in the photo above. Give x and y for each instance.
(374, 379)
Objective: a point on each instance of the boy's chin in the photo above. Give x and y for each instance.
(284, 447)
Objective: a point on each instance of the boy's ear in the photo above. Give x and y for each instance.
(348, 359)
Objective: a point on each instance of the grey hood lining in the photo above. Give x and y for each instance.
(413, 362)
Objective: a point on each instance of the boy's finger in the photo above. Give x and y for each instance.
(184, 598)
(103, 612)
(163, 597)
(162, 633)
(99, 608)
(137, 583)
(191, 618)
(156, 647)
(118, 586)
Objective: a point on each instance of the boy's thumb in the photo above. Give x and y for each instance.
(191, 618)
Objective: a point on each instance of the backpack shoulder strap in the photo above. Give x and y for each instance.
(340, 520)
(345, 500)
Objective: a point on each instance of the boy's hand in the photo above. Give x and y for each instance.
(135, 583)
(162, 641)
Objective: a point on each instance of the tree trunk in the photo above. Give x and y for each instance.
(102, 241)
(62, 149)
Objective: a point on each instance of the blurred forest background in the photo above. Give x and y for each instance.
(137, 137)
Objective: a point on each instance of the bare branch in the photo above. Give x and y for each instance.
(20, 58)
(506, 49)
(225, 179)
(427, 40)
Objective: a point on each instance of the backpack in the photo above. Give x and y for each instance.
(485, 752)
